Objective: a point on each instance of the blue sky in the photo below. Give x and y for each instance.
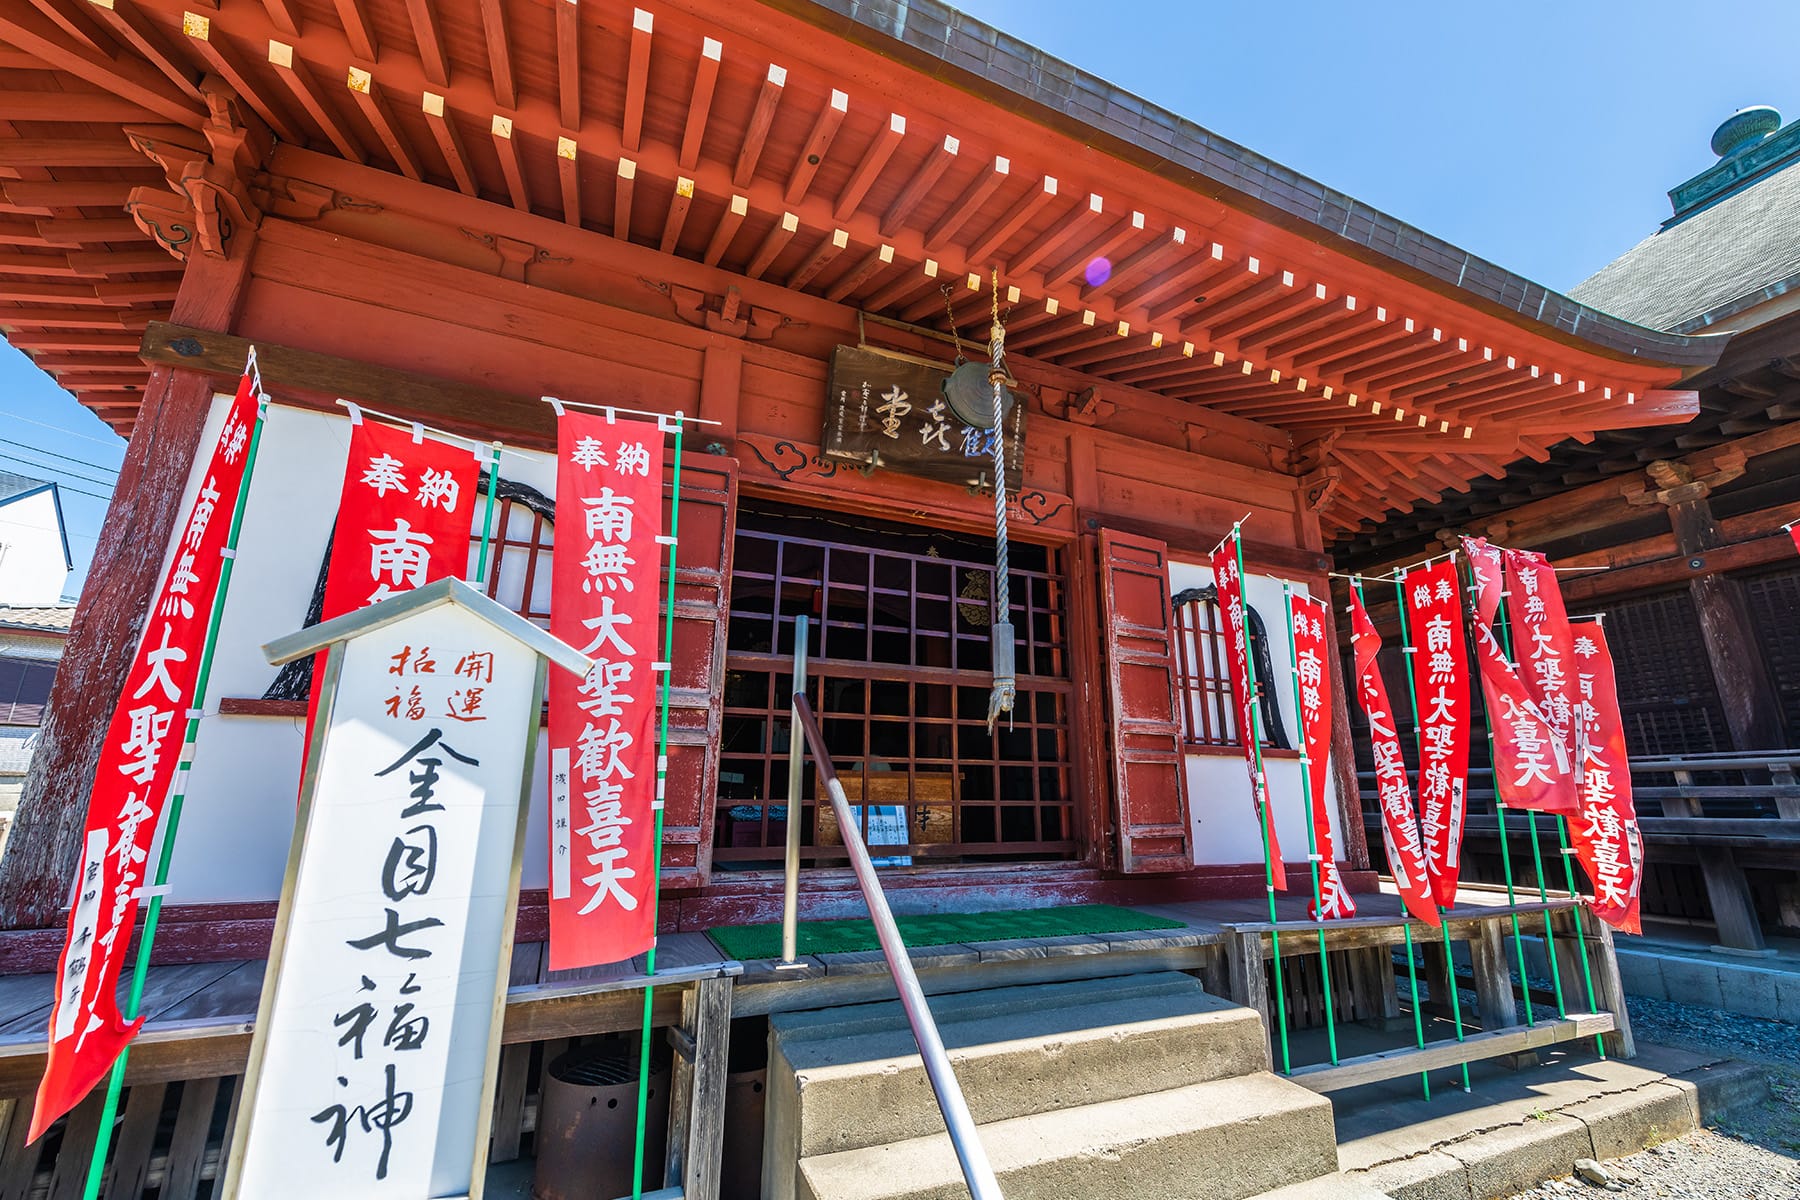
(1541, 135)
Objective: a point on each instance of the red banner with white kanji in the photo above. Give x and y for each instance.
(1604, 830)
(1531, 765)
(1543, 650)
(603, 766)
(138, 762)
(1440, 670)
(1237, 654)
(403, 521)
(1306, 617)
(1399, 823)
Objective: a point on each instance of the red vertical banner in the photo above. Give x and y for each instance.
(1531, 764)
(1399, 823)
(1794, 532)
(605, 600)
(1604, 830)
(138, 763)
(1237, 654)
(1306, 617)
(403, 521)
(1544, 650)
(1440, 671)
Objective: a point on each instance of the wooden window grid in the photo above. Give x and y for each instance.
(1202, 676)
(519, 559)
(898, 669)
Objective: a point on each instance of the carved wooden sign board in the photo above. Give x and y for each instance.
(888, 410)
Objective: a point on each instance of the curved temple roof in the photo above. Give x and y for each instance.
(863, 153)
(1010, 70)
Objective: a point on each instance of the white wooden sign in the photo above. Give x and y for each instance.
(378, 1032)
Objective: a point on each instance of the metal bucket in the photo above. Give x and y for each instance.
(587, 1124)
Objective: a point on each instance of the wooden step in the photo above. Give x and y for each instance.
(1225, 1140)
(845, 1078)
(1409, 1060)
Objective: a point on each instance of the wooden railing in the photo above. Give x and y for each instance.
(1721, 812)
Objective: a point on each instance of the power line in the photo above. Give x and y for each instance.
(116, 439)
(64, 486)
(80, 462)
(63, 472)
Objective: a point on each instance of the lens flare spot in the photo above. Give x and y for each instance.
(1098, 271)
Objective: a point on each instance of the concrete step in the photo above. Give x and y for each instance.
(1326, 1187)
(1226, 1139)
(844, 1078)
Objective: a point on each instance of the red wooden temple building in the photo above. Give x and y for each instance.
(444, 211)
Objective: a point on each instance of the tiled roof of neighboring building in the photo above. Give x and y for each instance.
(1701, 270)
(13, 484)
(48, 620)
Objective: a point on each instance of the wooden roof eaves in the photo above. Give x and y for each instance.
(957, 49)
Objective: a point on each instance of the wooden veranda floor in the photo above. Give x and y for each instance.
(199, 1016)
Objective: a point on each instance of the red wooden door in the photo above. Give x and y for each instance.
(702, 583)
(1149, 770)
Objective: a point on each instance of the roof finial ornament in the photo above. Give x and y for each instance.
(1744, 129)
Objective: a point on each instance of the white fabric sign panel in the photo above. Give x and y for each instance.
(373, 1069)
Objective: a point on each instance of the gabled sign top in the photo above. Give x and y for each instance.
(398, 608)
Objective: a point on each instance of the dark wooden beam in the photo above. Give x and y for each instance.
(706, 78)
(374, 107)
(568, 62)
(502, 130)
(817, 146)
(449, 141)
(321, 378)
(135, 29)
(499, 48)
(757, 132)
(779, 235)
(357, 29)
(431, 44)
(637, 79)
(306, 90)
(874, 158)
(568, 178)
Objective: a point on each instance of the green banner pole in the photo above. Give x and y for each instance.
(1512, 897)
(1412, 695)
(1587, 974)
(662, 775)
(1312, 848)
(115, 1083)
(487, 520)
(1412, 966)
(1260, 796)
(1504, 620)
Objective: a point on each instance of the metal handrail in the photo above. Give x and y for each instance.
(963, 1137)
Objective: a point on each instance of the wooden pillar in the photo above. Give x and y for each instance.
(1609, 986)
(127, 564)
(1746, 688)
(1728, 893)
(721, 386)
(1249, 980)
(1493, 977)
(1088, 725)
(697, 1090)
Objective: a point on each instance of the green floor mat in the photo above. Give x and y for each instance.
(938, 929)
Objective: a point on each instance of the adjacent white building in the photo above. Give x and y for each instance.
(34, 547)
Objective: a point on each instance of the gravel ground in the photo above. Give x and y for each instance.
(1752, 1154)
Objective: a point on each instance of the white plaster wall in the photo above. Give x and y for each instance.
(1224, 818)
(238, 818)
(32, 567)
